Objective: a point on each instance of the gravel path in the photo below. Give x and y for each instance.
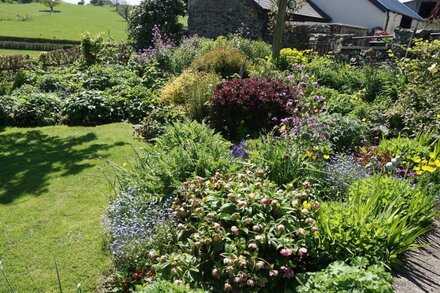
(422, 270)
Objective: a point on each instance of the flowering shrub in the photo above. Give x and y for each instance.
(341, 171)
(247, 106)
(359, 276)
(235, 233)
(289, 57)
(223, 61)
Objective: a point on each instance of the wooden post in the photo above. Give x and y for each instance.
(279, 29)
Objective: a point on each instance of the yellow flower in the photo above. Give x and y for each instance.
(436, 163)
(326, 157)
(364, 119)
(316, 148)
(307, 205)
(432, 155)
(417, 160)
(309, 153)
(430, 169)
(416, 168)
(419, 172)
(438, 116)
(283, 128)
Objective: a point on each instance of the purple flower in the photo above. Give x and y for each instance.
(239, 150)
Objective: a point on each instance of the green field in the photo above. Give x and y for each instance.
(34, 54)
(52, 197)
(68, 24)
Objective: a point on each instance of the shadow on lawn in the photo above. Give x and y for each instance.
(28, 159)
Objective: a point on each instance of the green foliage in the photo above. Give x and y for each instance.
(91, 47)
(50, 3)
(151, 13)
(37, 109)
(380, 220)
(342, 103)
(282, 160)
(359, 276)
(223, 61)
(166, 287)
(253, 49)
(90, 108)
(154, 122)
(183, 55)
(406, 147)
(184, 150)
(191, 92)
(345, 132)
(289, 57)
(235, 232)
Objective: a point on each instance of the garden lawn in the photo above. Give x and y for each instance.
(52, 196)
(68, 24)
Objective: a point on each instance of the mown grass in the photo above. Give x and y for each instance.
(34, 54)
(52, 196)
(34, 20)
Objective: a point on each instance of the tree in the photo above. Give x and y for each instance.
(50, 3)
(150, 13)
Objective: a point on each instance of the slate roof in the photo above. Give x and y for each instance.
(309, 9)
(396, 6)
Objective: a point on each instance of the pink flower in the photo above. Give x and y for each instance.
(281, 228)
(228, 287)
(235, 230)
(287, 271)
(256, 228)
(215, 273)
(253, 246)
(250, 283)
(285, 252)
(265, 201)
(260, 265)
(309, 221)
(315, 206)
(237, 279)
(273, 273)
(274, 202)
(302, 251)
(314, 229)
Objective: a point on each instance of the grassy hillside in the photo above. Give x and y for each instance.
(52, 196)
(34, 54)
(33, 20)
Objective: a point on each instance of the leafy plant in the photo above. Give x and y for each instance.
(380, 220)
(223, 61)
(191, 91)
(150, 13)
(37, 109)
(358, 276)
(248, 106)
(235, 233)
(90, 108)
(91, 47)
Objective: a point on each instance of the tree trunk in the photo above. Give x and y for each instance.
(279, 29)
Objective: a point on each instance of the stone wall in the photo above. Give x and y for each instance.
(321, 37)
(213, 18)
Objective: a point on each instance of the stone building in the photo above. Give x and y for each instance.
(212, 18)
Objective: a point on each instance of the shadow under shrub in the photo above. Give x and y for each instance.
(247, 106)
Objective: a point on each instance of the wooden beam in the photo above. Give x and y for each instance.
(279, 29)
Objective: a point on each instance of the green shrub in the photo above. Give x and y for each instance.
(342, 103)
(154, 13)
(155, 121)
(90, 48)
(224, 61)
(406, 147)
(184, 54)
(191, 92)
(359, 276)
(380, 220)
(37, 109)
(345, 133)
(8, 104)
(90, 108)
(22, 77)
(183, 151)
(289, 57)
(99, 77)
(50, 83)
(234, 232)
(167, 287)
(282, 160)
(134, 103)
